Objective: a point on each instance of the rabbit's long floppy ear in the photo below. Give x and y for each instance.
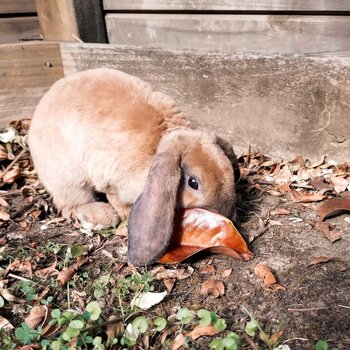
(150, 225)
(230, 154)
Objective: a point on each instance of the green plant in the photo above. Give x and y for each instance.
(28, 288)
(230, 342)
(100, 284)
(26, 335)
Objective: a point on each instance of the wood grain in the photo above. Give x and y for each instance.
(262, 34)
(26, 71)
(17, 6)
(19, 28)
(57, 20)
(273, 103)
(230, 5)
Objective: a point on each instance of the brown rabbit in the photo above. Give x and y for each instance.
(106, 131)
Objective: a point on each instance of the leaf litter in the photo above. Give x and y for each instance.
(279, 189)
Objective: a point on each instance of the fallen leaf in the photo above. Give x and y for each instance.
(67, 273)
(198, 230)
(115, 329)
(213, 288)
(318, 162)
(201, 331)
(148, 299)
(334, 207)
(5, 324)
(2, 241)
(279, 211)
(263, 271)
(226, 273)
(21, 266)
(275, 223)
(30, 347)
(11, 176)
(7, 295)
(319, 183)
(169, 284)
(178, 342)
(305, 197)
(207, 269)
(4, 215)
(161, 273)
(296, 163)
(37, 315)
(48, 271)
(3, 202)
(274, 193)
(339, 183)
(331, 234)
(323, 259)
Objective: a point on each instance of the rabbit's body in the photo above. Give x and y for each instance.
(103, 130)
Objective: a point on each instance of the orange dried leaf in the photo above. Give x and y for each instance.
(37, 315)
(331, 235)
(226, 273)
(305, 197)
(334, 207)
(197, 230)
(213, 288)
(178, 342)
(297, 163)
(21, 266)
(279, 211)
(169, 284)
(66, 275)
(201, 331)
(11, 175)
(263, 271)
(207, 269)
(323, 259)
(48, 271)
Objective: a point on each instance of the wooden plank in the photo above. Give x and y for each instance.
(72, 20)
(17, 6)
(57, 20)
(26, 71)
(275, 103)
(263, 34)
(229, 5)
(19, 28)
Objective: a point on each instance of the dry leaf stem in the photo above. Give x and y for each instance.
(308, 309)
(15, 160)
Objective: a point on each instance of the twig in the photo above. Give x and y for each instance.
(307, 187)
(308, 309)
(292, 339)
(344, 306)
(250, 342)
(103, 324)
(16, 159)
(10, 193)
(19, 277)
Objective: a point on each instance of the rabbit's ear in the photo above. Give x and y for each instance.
(150, 225)
(230, 154)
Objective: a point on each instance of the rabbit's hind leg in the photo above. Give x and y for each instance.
(80, 202)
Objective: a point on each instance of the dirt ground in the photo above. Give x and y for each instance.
(315, 304)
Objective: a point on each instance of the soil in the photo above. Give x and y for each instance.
(314, 306)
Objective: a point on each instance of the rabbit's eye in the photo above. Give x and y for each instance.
(193, 183)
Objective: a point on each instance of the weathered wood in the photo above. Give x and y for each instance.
(26, 71)
(57, 20)
(17, 6)
(72, 20)
(280, 104)
(19, 28)
(262, 34)
(229, 5)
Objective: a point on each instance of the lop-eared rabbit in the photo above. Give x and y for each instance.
(103, 130)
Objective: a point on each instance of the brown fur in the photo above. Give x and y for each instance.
(103, 130)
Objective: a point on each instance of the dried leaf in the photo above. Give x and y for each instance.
(11, 176)
(334, 207)
(114, 329)
(5, 324)
(48, 271)
(339, 183)
(201, 331)
(21, 266)
(275, 223)
(331, 235)
(66, 275)
(4, 215)
(213, 288)
(274, 193)
(305, 197)
(296, 163)
(280, 211)
(207, 269)
(226, 273)
(161, 273)
(2, 241)
(169, 284)
(37, 315)
(318, 162)
(323, 259)
(7, 295)
(30, 347)
(320, 184)
(197, 230)
(178, 342)
(3, 202)
(263, 271)
(148, 299)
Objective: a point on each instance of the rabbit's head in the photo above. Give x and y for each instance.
(191, 169)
